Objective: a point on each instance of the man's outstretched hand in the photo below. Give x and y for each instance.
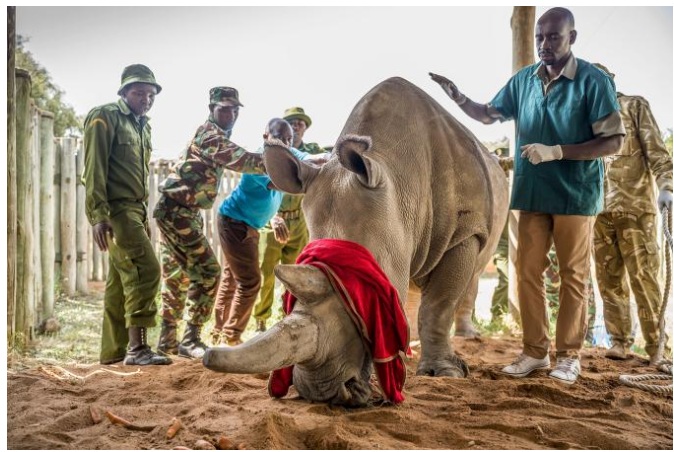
(449, 87)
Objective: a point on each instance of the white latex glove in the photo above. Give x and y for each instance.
(539, 153)
(665, 200)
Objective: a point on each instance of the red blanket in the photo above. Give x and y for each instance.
(373, 304)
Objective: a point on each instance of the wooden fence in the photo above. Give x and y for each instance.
(55, 252)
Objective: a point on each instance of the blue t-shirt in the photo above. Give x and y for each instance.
(251, 201)
(564, 116)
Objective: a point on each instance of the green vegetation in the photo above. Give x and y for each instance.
(46, 94)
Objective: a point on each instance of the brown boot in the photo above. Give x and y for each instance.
(139, 353)
(168, 344)
(191, 345)
(616, 352)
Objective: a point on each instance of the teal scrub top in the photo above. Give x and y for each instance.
(564, 116)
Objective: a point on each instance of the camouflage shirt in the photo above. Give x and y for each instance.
(294, 202)
(194, 179)
(628, 185)
(117, 148)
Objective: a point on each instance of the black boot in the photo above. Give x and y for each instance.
(191, 345)
(168, 344)
(139, 353)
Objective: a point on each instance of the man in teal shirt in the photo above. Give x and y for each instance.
(567, 118)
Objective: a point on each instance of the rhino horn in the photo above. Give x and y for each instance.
(291, 341)
(351, 152)
(286, 171)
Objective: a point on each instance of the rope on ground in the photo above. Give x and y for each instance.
(67, 375)
(663, 365)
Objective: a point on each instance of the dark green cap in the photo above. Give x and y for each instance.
(138, 73)
(297, 113)
(225, 97)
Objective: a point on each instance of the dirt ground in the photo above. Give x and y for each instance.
(49, 408)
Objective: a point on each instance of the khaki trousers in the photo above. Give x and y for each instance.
(572, 236)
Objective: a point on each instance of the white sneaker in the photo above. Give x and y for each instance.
(566, 371)
(525, 364)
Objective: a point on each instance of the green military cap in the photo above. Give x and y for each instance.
(225, 96)
(297, 113)
(138, 73)
(605, 69)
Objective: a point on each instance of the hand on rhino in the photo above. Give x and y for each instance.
(450, 88)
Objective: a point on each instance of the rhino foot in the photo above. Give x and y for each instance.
(451, 366)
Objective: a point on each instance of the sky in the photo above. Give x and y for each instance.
(323, 59)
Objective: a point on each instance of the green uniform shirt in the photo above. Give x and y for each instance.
(294, 202)
(117, 148)
(629, 173)
(562, 115)
(194, 180)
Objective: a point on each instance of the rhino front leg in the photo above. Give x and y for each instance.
(440, 296)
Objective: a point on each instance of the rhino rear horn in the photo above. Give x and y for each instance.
(286, 171)
(306, 282)
(350, 150)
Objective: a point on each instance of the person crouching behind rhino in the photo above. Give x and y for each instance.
(247, 209)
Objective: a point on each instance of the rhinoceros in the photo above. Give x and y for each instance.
(411, 184)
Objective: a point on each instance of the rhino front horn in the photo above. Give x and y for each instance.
(291, 341)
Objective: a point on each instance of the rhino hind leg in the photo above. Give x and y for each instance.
(442, 291)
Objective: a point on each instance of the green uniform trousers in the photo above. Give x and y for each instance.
(626, 244)
(499, 301)
(133, 278)
(190, 268)
(271, 252)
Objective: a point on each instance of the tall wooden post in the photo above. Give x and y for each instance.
(522, 24)
(11, 173)
(68, 216)
(82, 228)
(47, 211)
(57, 214)
(24, 209)
(36, 302)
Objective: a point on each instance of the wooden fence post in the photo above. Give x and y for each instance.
(68, 216)
(24, 268)
(36, 302)
(57, 214)
(47, 211)
(82, 227)
(11, 174)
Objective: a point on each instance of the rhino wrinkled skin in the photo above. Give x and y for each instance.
(410, 183)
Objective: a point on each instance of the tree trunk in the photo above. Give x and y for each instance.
(82, 226)
(24, 198)
(11, 174)
(522, 24)
(68, 216)
(47, 211)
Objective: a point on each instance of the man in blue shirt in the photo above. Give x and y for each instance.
(247, 209)
(567, 118)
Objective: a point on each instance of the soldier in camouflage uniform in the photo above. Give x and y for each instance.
(625, 241)
(117, 148)
(190, 267)
(286, 234)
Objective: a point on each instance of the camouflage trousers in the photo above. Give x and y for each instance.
(272, 253)
(499, 301)
(552, 285)
(190, 269)
(626, 244)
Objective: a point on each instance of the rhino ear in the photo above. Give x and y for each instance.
(306, 282)
(286, 171)
(351, 151)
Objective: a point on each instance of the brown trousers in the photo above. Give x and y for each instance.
(241, 278)
(572, 236)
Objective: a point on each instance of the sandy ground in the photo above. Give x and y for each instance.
(48, 409)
